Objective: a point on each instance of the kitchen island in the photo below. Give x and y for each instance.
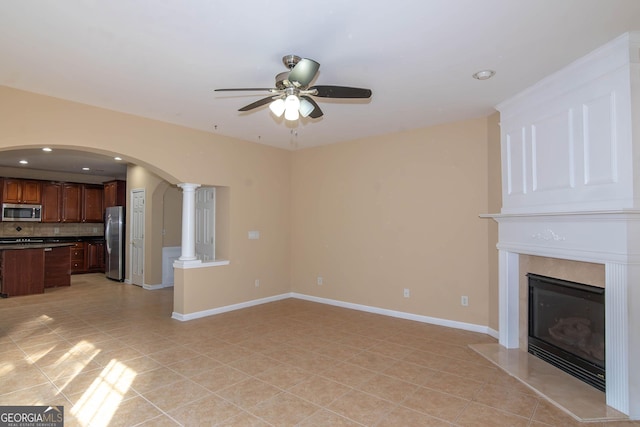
(28, 268)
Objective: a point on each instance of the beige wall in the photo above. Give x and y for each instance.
(172, 217)
(257, 177)
(375, 216)
(372, 216)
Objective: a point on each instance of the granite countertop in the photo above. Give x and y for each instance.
(18, 246)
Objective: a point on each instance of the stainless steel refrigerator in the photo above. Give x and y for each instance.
(114, 242)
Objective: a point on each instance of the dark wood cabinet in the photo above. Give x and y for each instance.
(21, 272)
(61, 201)
(86, 257)
(51, 202)
(115, 193)
(94, 256)
(71, 202)
(76, 258)
(92, 203)
(16, 190)
(57, 262)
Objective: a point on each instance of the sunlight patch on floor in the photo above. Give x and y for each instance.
(6, 368)
(83, 348)
(99, 403)
(40, 354)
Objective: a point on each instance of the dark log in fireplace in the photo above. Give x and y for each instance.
(566, 327)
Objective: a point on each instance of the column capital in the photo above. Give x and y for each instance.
(186, 186)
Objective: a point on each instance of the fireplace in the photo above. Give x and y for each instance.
(567, 327)
(569, 146)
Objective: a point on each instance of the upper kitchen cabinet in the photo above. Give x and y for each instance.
(115, 193)
(71, 202)
(92, 203)
(51, 202)
(21, 191)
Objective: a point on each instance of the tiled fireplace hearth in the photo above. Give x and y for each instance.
(570, 175)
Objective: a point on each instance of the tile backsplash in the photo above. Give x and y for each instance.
(39, 229)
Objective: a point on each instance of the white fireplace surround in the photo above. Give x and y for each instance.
(571, 190)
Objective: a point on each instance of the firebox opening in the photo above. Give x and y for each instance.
(566, 327)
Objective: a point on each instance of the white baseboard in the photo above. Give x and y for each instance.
(156, 287)
(232, 307)
(493, 333)
(383, 311)
(399, 314)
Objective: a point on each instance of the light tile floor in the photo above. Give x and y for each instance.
(111, 355)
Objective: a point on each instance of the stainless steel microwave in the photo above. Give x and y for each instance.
(19, 212)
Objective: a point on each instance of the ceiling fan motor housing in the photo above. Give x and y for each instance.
(290, 61)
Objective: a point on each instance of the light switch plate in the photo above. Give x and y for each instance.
(254, 235)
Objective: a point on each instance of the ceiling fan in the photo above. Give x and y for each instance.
(292, 94)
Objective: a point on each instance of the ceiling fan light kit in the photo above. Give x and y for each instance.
(291, 105)
(277, 107)
(292, 94)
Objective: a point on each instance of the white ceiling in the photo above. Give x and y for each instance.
(162, 59)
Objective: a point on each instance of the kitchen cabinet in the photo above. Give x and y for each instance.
(26, 191)
(115, 193)
(51, 202)
(21, 272)
(57, 267)
(71, 202)
(94, 256)
(92, 203)
(76, 258)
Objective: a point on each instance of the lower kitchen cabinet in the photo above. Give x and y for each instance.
(57, 267)
(21, 272)
(76, 258)
(95, 257)
(87, 257)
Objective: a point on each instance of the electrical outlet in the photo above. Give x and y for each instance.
(257, 283)
(464, 300)
(319, 280)
(407, 293)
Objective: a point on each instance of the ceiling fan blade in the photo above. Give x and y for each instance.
(317, 112)
(303, 72)
(252, 89)
(341, 92)
(258, 103)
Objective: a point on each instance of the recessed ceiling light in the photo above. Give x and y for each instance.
(484, 74)
(117, 158)
(86, 169)
(47, 149)
(23, 162)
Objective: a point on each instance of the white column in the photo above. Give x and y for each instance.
(188, 221)
(617, 337)
(509, 299)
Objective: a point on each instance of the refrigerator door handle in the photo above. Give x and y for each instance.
(107, 233)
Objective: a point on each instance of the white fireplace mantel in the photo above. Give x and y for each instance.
(596, 237)
(570, 190)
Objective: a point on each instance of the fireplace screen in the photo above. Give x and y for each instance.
(566, 327)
